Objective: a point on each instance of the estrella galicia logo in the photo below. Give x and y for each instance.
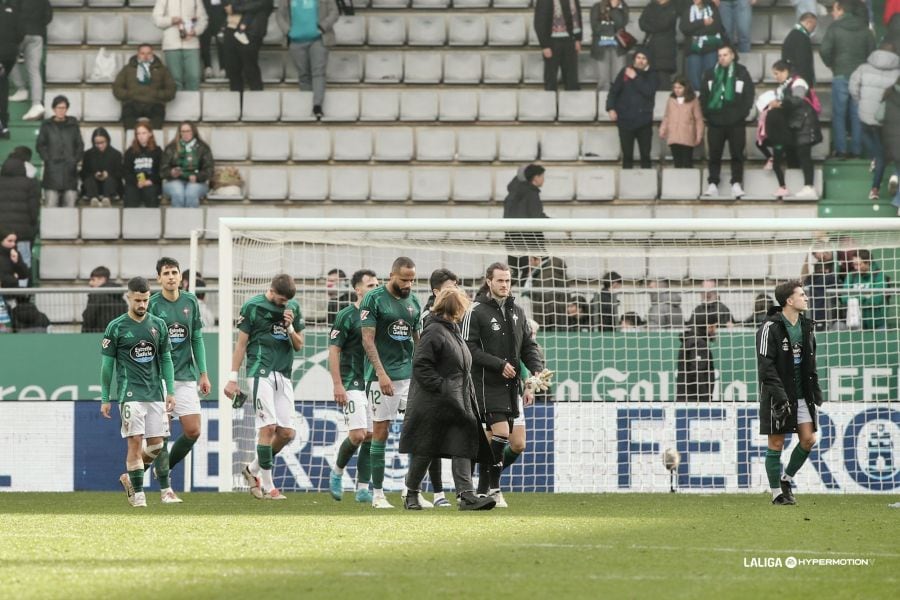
(143, 352)
(177, 333)
(399, 330)
(279, 331)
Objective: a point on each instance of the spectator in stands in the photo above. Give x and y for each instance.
(101, 170)
(868, 83)
(25, 154)
(820, 283)
(27, 318)
(726, 97)
(608, 301)
(846, 45)
(13, 270)
(797, 48)
(143, 86)
(665, 306)
(630, 106)
(182, 22)
(559, 30)
(802, 7)
(34, 16)
(710, 304)
(792, 113)
(682, 125)
(545, 286)
(141, 168)
(761, 304)
(61, 148)
(701, 25)
(338, 292)
(20, 199)
(206, 314)
(578, 317)
(215, 14)
(866, 275)
(11, 33)
(888, 116)
(309, 27)
(658, 21)
(187, 166)
(892, 34)
(696, 378)
(102, 307)
(242, 60)
(523, 201)
(608, 17)
(737, 17)
(631, 321)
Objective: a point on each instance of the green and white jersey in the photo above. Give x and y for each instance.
(347, 335)
(394, 321)
(795, 337)
(269, 348)
(137, 348)
(182, 319)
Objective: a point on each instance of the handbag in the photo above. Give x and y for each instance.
(625, 40)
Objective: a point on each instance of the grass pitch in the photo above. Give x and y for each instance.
(93, 545)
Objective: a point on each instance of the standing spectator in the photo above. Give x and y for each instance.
(797, 48)
(761, 305)
(548, 280)
(182, 22)
(60, 146)
(696, 378)
(868, 84)
(20, 199)
(10, 36)
(726, 97)
(802, 7)
(309, 27)
(658, 21)
(682, 125)
(242, 60)
(866, 275)
(338, 292)
(701, 25)
(821, 281)
(888, 116)
(737, 17)
(558, 27)
(13, 269)
(523, 201)
(34, 16)
(187, 166)
(101, 170)
(608, 17)
(141, 168)
(143, 86)
(608, 301)
(665, 306)
(710, 304)
(846, 45)
(215, 15)
(630, 106)
(101, 307)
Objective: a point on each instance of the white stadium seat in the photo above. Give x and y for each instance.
(431, 184)
(462, 67)
(386, 30)
(497, 105)
(310, 144)
(418, 106)
(262, 106)
(476, 144)
(422, 67)
(502, 68)
(559, 144)
(268, 184)
(100, 224)
(229, 143)
(380, 105)
(427, 30)
(341, 105)
(390, 185)
(349, 183)
(393, 144)
(506, 30)
(270, 144)
(537, 105)
(308, 183)
(435, 144)
(141, 224)
(458, 105)
(352, 144)
(466, 30)
(472, 185)
(518, 145)
(384, 67)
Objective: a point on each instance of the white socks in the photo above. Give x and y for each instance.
(265, 478)
(378, 493)
(362, 486)
(254, 467)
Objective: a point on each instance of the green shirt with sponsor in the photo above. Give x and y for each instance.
(137, 348)
(346, 335)
(795, 337)
(395, 320)
(182, 319)
(269, 348)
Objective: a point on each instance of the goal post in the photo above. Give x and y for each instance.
(616, 302)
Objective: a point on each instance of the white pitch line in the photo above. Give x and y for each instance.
(755, 551)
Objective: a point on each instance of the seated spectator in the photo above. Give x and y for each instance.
(546, 287)
(665, 306)
(182, 22)
(242, 59)
(630, 106)
(701, 25)
(27, 318)
(141, 169)
(578, 314)
(682, 125)
(888, 116)
(143, 86)
(696, 377)
(608, 17)
(20, 199)
(10, 36)
(102, 307)
(559, 31)
(25, 154)
(710, 304)
(864, 310)
(309, 27)
(658, 20)
(338, 292)
(13, 269)
(187, 165)
(34, 16)
(608, 301)
(101, 170)
(631, 321)
(215, 14)
(61, 148)
(797, 48)
(761, 305)
(820, 282)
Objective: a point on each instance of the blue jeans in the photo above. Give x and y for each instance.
(871, 138)
(737, 18)
(697, 65)
(805, 6)
(844, 108)
(184, 194)
(23, 247)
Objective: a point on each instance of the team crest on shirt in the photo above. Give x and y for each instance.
(143, 352)
(186, 311)
(399, 330)
(495, 326)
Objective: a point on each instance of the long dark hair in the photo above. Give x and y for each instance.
(151, 143)
(689, 93)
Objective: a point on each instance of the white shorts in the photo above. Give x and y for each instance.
(273, 401)
(356, 411)
(146, 419)
(520, 420)
(187, 400)
(386, 408)
(803, 415)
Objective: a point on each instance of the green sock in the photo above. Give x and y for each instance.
(181, 448)
(364, 463)
(798, 457)
(377, 454)
(509, 456)
(137, 480)
(161, 466)
(773, 468)
(264, 454)
(345, 453)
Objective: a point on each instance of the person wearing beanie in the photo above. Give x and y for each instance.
(630, 106)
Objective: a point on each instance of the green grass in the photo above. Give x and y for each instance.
(93, 545)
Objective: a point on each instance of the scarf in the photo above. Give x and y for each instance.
(802, 29)
(722, 91)
(701, 42)
(188, 158)
(559, 27)
(143, 72)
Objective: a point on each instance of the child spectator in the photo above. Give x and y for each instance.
(682, 125)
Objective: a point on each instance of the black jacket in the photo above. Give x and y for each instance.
(607, 311)
(633, 99)
(442, 417)
(26, 318)
(495, 340)
(11, 272)
(543, 20)
(698, 28)
(95, 161)
(34, 16)
(20, 199)
(775, 369)
(523, 201)
(259, 10)
(797, 49)
(60, 146)
(101, 309)
(696, 370)
(145, 161)
(11, 32)
(734, 112)
(549, 306)
(802, 119)
(658, 22)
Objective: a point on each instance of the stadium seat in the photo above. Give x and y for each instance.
(600, 143)
(390, 185)
(577, 106)
(537, 105)
(431, 184)
(712, 266)
(559, 144)
(344, 67)
(759, 30)
(393, 144)
(502, 177)
(101, 105)
(384, 67)
(179, 222)
(92, 256)
(139, 3)
(503, 68)
(350, 30)
(386, 30)
(270, 144)
(680, 184)
(518, 145)
(659, 105)
(422, 67)
(100, 224)
(186, 106)
(390, 3)
(221, 106)
(64, 67)
(104, 28)
(755, 266)
(140, 29)
(418, 106)
(782, 24)
(595, 183)
(512, 3)
(427, 30)
(214, 213)
(271, 65)
(59, 223)
(533, 68)
(753, 61)
(341, 105)
(471, 3)
(661, 264)
(602, 115)
(274, 36)
(268, 184)
(758, 184)
(74, 96)
(477, 144)
(310, 144)
(297, 106)
(466, 30)
(559, 185)
(435, 144)
(141, 224)
(471, 185)
(506, 30)
(430, 3)
(67, 3)
(820, 151)
(139, 259)
(349, 183)
(261, 106)
(497, 105)
(380, 105)
(638, 184)
(458, 106)
(352, 144)
(587, 70)
(209, 262)
(228, 143)
(462, 67)
(66, 29)
(309, 183)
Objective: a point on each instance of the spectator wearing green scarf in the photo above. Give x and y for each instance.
(187, 166)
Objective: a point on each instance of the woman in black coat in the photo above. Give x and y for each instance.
(61, 148)
(12, 268)
(658, 21)
(101, 170)
(442, 419)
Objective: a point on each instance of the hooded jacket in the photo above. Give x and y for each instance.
(110, 160)
(523, 201)
(101, 309)
(658, 22)
(889, 118)
(60, 146)
(11, 272)
(20, 199)
(188, 10)
(798, 50)
(633, 99)
(847, 44)
(870, 80)
(734, 112)
(160, 90)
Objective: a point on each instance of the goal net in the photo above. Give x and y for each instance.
(624, 310)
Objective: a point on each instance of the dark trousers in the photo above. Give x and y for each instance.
(782, 160)
(216, 16)
(736, 136)
(461, 467)
(6, 67)
(682, 156)
(132, 111)
(345, 7)
(136, 197)
(564, 58)
(242, 64)
(627, 137)
(93, 188)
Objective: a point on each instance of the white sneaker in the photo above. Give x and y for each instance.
(497, 495)
(737, 191)
(104, 202)
(208, 73)
(893, 184)
(95, 202)
(241, 37)
(440, 500)
(712, 190)
(139, 500)
(273, 494)
(167, 496)
(35, 113)
(381, 502)
(21, 95)
(422, 501)
(807, 193)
